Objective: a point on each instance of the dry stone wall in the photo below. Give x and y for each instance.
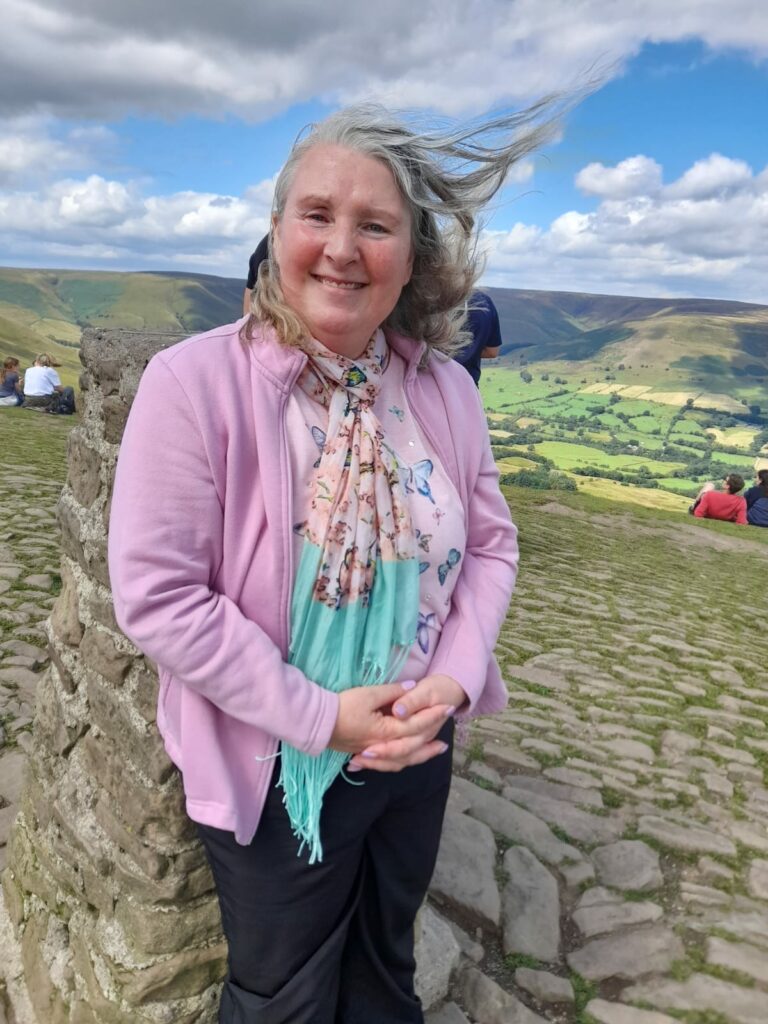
(107, 889)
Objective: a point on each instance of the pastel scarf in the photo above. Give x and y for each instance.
(356, 593)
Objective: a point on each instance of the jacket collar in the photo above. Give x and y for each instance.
(281, 364)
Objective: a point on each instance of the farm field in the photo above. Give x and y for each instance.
(629, 443)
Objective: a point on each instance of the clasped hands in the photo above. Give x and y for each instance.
(392, 726)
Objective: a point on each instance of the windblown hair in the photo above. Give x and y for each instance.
(44, 360)
(734, 482)
(10, 365)
(446, 178)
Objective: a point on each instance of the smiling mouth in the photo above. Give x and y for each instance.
(349, 286)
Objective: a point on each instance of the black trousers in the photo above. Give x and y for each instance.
(331, 943)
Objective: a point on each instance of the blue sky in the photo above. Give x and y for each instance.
(138, 138)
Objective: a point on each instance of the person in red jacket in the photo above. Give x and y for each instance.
(727, 504)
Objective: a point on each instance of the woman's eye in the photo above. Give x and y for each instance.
(320, 218)
(377, 229)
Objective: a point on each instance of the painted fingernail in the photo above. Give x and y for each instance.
(444, 747)
(369, 753)
(450, 711)
(354, 768)
(408, 684)
(400, 710)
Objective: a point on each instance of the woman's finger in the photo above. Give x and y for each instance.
(426, 721)
(423, 753)
(394, 750)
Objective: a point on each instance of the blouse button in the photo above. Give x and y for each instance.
(411, 444)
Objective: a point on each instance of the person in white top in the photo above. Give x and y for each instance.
(43, 388)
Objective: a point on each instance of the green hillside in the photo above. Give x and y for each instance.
(46, 310)
(633, 399)
(714, 345)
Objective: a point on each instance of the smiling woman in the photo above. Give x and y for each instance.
(343, 243)
(319, 559)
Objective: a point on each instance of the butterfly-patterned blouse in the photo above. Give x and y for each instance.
(436, 509)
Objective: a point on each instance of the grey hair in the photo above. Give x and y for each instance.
(446, 177)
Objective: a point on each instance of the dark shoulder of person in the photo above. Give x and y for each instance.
(483, 325)
(258, 256)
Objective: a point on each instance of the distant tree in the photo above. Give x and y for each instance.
(526, 376)
(614, 399)
(755, 410)
(620, 366)
(545, 376)
(689, 403)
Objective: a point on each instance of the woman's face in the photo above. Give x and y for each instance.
(343, 246)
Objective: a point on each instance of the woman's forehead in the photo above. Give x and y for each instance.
(329, 171)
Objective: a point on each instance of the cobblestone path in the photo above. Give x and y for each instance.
(607, 848)
(605, 855)
(32, 468)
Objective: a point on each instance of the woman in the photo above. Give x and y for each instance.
(757, 500)
(43, 388)
(320, 562)
(10, 383)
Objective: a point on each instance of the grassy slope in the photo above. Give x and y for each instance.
(46, 310)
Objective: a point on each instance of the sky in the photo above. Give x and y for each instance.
(147, 136)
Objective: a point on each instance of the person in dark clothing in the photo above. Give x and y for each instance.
(259, 254)
(757, 500)
(483, 324)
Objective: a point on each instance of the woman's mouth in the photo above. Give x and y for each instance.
(334, 283)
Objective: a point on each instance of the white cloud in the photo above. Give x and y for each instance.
(702, 235)
(35, 148)
(103, 58)
(635, 176)
(95, 221)
(711, 177)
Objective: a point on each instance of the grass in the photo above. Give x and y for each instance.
(583, 993)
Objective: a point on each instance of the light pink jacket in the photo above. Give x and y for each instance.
(201, 558)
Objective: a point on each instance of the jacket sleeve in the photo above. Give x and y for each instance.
(483, 590)
(165, 547)
(741, 515)
(703, 507)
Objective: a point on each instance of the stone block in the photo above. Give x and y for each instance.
(175, 886)
(65, 616)
(115, 412)
(71, 532)
(154, 813)
(530, 908)
(437, 956)
(151, 930)
(96, 560)
(187, 973)
(110, 371)
(52, 732)
(14, 897)
(103, 1009)
(114, 720)
(48, 1002)
(474, 894)
(84, 463)
(68, 681)
(145, 693)
(100, 653)
(151, 862)
(12, 770)
(101, 608)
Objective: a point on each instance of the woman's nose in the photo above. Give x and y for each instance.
(341, 243)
